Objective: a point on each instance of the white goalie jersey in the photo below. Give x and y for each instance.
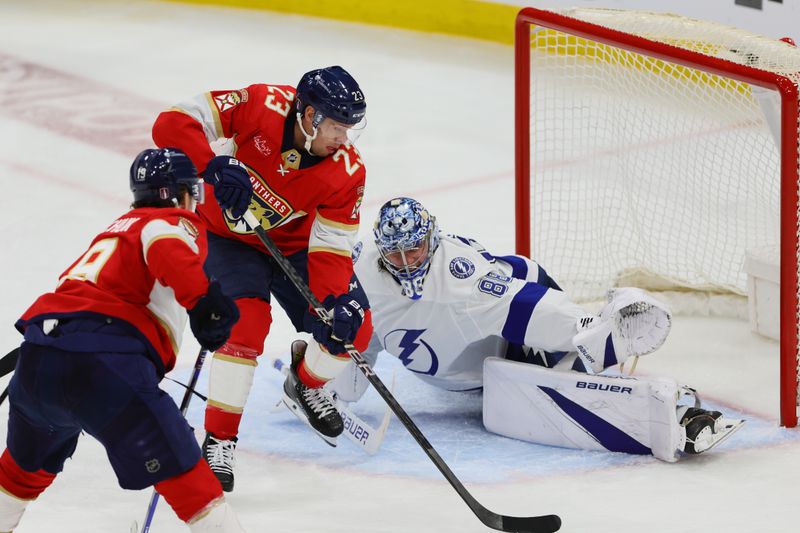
(477, 310)
(472, 305)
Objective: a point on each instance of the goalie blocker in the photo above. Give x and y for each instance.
(581, 411)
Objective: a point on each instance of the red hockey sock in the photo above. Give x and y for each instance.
(308, 378)
(21, 483)
(255, 318)
(246, 342)
(222, 424)
(190, 492)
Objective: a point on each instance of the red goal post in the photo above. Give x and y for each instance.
(710, 173)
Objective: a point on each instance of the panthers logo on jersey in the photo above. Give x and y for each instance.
(269, 208)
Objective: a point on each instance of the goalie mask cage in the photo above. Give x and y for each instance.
(653, 144)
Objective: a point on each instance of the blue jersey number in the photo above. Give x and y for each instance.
(492, 286)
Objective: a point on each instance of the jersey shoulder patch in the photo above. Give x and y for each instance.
(190, 228)
(461, 267)
(228, 100)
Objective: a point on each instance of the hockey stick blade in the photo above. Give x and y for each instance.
(373, 441)
(533, 524)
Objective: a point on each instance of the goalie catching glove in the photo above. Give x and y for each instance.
(631, 323)
(213, 317)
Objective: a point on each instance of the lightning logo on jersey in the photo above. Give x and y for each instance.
(408, 344)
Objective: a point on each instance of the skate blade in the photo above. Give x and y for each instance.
(298, 412)
(727, 427)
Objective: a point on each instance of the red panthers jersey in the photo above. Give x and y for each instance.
(145, 268)
(302, 206)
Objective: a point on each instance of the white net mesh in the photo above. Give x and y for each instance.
(645, 168)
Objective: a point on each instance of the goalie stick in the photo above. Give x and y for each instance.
(531, 524)
(356, 430)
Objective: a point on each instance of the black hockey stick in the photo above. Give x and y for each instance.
(9, 362)
(7, 365)
(531, 524)
(189, 390)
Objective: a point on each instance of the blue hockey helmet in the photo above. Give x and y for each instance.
(334, 94)
(406, 236)
(159, 174)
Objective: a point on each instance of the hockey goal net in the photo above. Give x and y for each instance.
(653, 146)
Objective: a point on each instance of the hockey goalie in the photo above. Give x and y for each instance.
(461, 319)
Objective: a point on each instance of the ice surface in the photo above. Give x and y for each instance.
(80, 83)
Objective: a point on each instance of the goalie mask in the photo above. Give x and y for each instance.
(406, 236)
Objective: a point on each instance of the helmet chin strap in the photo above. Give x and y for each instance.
(309, 138)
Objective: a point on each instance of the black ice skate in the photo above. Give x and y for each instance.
(219, 456)
(313, 406)
(705, 429)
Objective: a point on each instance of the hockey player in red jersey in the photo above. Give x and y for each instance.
(294, 166)
(96, 347)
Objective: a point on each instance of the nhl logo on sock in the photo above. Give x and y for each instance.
(152, 466)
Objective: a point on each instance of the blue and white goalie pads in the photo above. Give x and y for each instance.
(581, 411)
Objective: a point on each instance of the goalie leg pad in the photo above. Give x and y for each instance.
(351, 384)
(575, 410)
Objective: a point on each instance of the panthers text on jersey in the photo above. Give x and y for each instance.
(303, 200)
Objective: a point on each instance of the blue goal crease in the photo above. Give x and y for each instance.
(452, 422)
